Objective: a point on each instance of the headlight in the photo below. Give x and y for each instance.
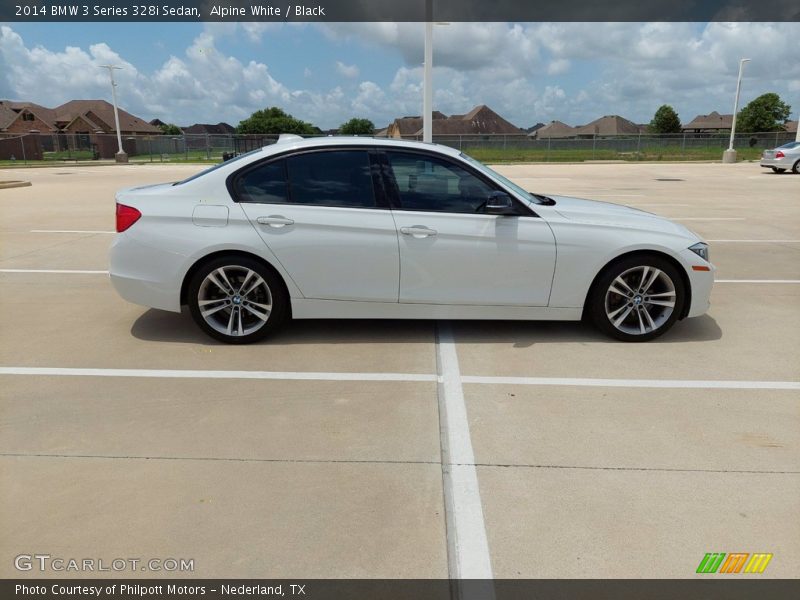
(701, 250)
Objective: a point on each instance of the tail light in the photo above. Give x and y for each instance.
(779, 154)
(126, 216)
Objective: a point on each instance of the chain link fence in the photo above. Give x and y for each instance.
(38, 148)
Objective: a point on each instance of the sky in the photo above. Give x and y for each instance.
(326, 73)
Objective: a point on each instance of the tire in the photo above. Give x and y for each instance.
(237, 300)
(796, 168)
(620, 310)
(777, 170)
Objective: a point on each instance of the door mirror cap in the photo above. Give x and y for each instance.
(500, 203)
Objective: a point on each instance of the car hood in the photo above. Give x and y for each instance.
(594, 212)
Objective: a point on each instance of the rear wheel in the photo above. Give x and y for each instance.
(237, 300)
(638, 298)
(777, 170)
(796, 168)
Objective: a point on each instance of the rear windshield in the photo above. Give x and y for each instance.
(790, 145)
(217, 166)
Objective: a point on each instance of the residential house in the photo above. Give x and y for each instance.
(553, 130)
(481, 120)
(207, 129)
(607, 126)
(711, 123)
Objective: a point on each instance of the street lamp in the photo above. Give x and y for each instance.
(427, 85)
(427, 75)
(120, 157)
(729, 156)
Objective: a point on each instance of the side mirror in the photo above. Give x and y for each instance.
(500, 203)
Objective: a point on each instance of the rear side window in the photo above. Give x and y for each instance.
(332, 178)
(266, 184)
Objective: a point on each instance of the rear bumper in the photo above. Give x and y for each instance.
(778, 163)
(146, 276)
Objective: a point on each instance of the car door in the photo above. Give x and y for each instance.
(320, 214)
(451, 251)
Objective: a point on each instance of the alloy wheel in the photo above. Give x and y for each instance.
(234, 300)
(640, 300)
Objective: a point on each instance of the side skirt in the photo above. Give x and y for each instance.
(303, 308)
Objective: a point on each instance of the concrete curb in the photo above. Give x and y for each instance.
(13, 184)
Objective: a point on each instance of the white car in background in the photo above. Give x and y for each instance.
(782, 158)
(382, 229)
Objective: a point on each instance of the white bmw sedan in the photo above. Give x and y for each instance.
(383, 229)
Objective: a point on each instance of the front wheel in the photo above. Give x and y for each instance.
(237, 300)
(777, 170)
(638, 298)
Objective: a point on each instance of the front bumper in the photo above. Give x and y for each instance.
(701, 283)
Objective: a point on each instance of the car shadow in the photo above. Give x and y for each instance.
(161, 326)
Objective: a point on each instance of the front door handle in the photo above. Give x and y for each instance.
(418, 231)
(276, 221)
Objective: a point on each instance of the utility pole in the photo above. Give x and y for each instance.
(729, 156)
(120, 157)
(427, 76)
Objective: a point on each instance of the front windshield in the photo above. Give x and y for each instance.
(217, 166)
(500, 179)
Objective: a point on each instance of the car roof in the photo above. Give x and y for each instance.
(288, 143)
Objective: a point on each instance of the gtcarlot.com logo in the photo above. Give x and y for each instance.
(735, 562)
(46, 562)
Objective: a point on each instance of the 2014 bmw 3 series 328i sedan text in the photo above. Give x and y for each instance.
(371, 229)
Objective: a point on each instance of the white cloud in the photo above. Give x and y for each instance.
(349, 71)
(574, 72)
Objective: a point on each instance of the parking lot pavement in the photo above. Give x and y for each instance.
(233, 518)
(634, 462)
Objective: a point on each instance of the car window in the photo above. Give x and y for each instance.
(430, 184)
(265, 184)
(790, 146)
(331, 178)
(218, 166)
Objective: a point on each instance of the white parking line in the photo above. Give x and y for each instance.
(658, 204)
(69, 231)
(468, 549)
(636, 383)
(755, 241)
(55, 271)
(757, 281)
(450, 375)
(706, 218)
(194, 374)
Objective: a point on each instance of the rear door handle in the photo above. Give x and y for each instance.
(276, 221)
(418, 231)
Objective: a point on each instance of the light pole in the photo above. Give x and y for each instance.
(729, 156)
(427, 84)
(120, 157)
(427, 75)
(797, 135)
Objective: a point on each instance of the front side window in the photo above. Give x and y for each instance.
(429, 184)
(331, 178)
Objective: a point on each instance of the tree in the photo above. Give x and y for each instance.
(357, 127)
(275, 120)
(665, 120)
(766, 113)
(171, 129)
